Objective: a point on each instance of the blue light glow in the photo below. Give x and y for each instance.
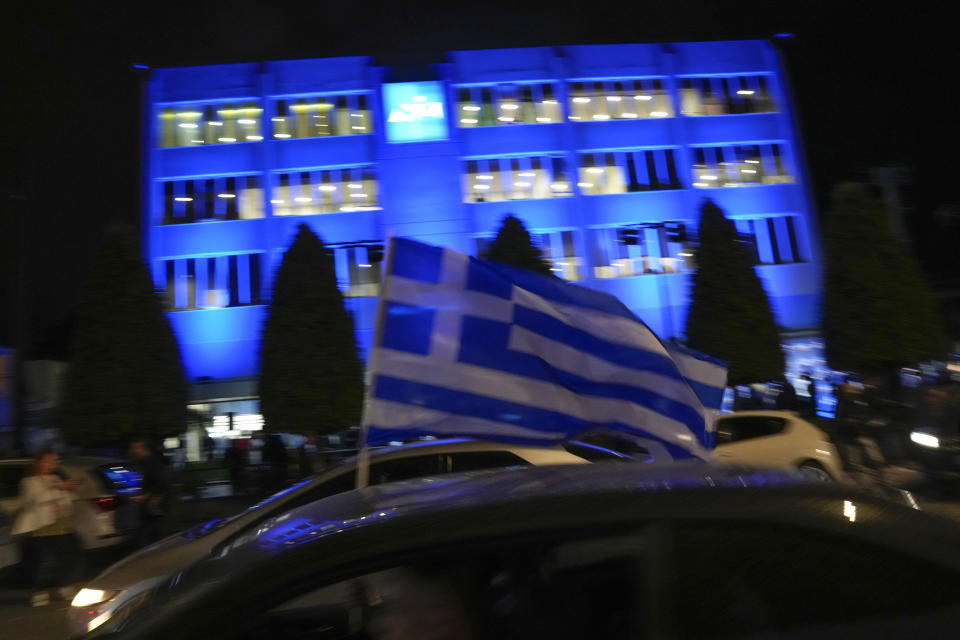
(420, 181)
(414, 111)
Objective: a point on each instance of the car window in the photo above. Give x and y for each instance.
(767, 579)
(478, 460)
(10, 476)
(405, 468)
(748, 427)
(586, 588)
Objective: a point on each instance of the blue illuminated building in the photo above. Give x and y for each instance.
(605, 152)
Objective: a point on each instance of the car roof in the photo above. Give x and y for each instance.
(451, 445)
(325, 539)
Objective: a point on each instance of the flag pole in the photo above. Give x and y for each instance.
(363, 456)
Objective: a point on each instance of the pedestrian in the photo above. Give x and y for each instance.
(787, 398)
(154, 499)
(276, 458)
(809, 389)
(308, 456)
(50, 550)
(235, 459)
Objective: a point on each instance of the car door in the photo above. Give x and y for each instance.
(767, 580)
(754, 439)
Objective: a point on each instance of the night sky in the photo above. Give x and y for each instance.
(871, 86)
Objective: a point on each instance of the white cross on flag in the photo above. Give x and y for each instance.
(471, 348)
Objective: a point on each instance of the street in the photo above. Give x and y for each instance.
(19, 621)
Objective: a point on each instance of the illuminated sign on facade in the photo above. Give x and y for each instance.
(414, 111)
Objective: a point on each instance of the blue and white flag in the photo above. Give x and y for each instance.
(471, 348)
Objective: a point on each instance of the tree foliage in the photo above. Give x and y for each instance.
(730, 316)
(513, 247)
(125, 378)
(878, 312)
(311, 376)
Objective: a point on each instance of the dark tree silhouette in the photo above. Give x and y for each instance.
(311, 376)
(730, 316)
(125, 378)
(513, 247)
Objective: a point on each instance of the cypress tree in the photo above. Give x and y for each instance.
(730, 316)
(311, 376)
(513, 247)
(125, 379)
(878, 312)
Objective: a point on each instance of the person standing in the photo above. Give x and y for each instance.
(787, 398)
(308, 456)
(235, 459)
(154, 496)
(44, 520)
(809, 387)
(276, 458)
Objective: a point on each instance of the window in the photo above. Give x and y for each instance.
(714, 95)
(405, 469)
(212, 282)
(201, 199)
(325, 191)
(567, 588)
(746, 428)
(558, 248)
(496, 179)
(642, 248)
(768, 579)
(326, 115)
(358, 268)
(738, 165)
(479, 460)
(771, 240)
(216, 123)
(619, 100)
(505, 104)
(627, 171)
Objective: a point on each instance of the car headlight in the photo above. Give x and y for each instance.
(925, 439)
(86, 597)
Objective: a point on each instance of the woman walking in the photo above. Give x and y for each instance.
(44, 521)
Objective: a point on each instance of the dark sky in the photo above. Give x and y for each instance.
(871, 85)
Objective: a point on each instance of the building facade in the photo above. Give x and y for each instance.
(605, 152)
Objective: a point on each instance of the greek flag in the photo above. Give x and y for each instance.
(470, 348)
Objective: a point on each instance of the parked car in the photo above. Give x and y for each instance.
(588, 551)
(777, 439)
(136, 573)
(102, 512)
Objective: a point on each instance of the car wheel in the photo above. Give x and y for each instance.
(815, 471)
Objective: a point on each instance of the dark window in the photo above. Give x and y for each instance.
(477, 460)
(196, 283)
(748, 427)
(587, 588)
(405, 469)
(765, 579)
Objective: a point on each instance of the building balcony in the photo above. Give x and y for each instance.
(546, 213)
(207, 238)
(504, 140)
(621, 134)
(734, 128)
(294, 153)
(638, 206)
(206, 160)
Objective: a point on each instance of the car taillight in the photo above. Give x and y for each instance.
(106, 503)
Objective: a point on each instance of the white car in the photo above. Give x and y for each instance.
(133, 575)
(779, 439)
(101, 513)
